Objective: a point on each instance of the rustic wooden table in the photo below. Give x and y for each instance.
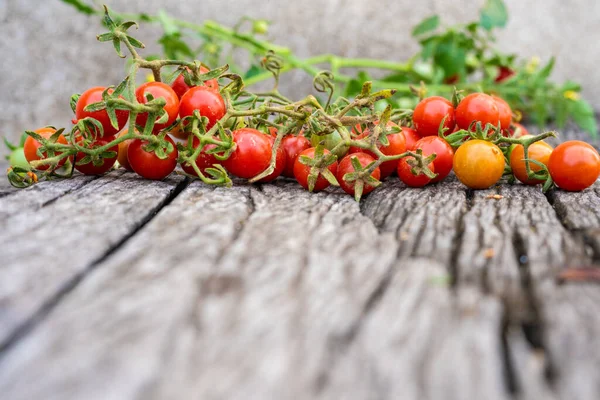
(120, 288)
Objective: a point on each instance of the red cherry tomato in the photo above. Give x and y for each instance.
(209, 103)
(539, 151)
(94, 95)
(504, 112)
(252, 153)
(444, 155)
(405, 174)
(345, 167)
(574, 165)
(503, 74)
(280, 163)
(292, 146)
(302, 171)
(477, 107)
(429, 114)
(31, 146)
(411, 137)
(517, 130)
(180, 87)
(396, 146)
(158, 90)
(203, 161)
(147, 164)
(107, 163)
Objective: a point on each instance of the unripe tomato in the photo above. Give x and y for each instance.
(405, 174)
(252, 153)
(444, 155)
(477, 107)
(345, 167)
(478, 164)
(302, 171)
(538, 151)
(574, 165)
(158, 90)
(429, 114)
(94, 95)
(330, 141)
(209, 103)
(107, 163)
(31, 146)
(180, 87)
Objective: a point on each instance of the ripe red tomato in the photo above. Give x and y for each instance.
(94, 95)
(203, 161)
(280, 158)
(396, 146)
(122, 153)
(252, 153)
(503, 74)
(504, 112)
(345, 167)
(405, 174)
(444, 155)
(478, 164)
(31, 146)
(539, 151)
(477, 107)
(292, 146)
(158, 90)
(209, 103)
(429, 114)
(302, 171)
(411, 137)
(517, 130)
(107, 163)
(574, 165)
(147, 164)
(180, 87)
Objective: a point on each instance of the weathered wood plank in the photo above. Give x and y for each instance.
(44, 250)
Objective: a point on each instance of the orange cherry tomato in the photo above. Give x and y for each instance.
(478, 164)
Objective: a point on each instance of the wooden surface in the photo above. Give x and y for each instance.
(119, 288)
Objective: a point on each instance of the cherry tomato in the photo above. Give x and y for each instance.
(31, 146)
(405, 174)
(331, 140)
(180, 87)
(345, 167)
(478, 164)
(107, 163)
(574, 165)
(301, 171)
(252, 153)
(429, 114)
(280, 158)
(94, 95)
(444, 155)
(292, 146)
(517, 130)
(503, 74)
(178, 133)
(122, 153)
(411, 137)
(147, 164)
(209, 103)
(396, 146)
(477, 107)
(158, 90)
(504, 112)
(539, 151)
(203, 161)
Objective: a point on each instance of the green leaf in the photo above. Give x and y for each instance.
(253, 71)
(426, 26)
(450, 56)
(174, 47)
(80, 6)
(583, 115)
(494, 15)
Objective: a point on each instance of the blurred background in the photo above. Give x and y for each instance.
(49, 50)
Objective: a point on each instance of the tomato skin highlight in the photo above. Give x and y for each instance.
(479, 164)
(574, 165)
(31, 146)
(345, 167)
(180, 87)
(538, 151)
(430, 112)
(147, 164)
(158, 90)
(90, 168)
(504, 113)
(444, 155)
(405, 174)
(292, 146)
(203, 161)
(94, 95)
(209, 103)
(252, 154)
(477, 107)
(302, 171)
